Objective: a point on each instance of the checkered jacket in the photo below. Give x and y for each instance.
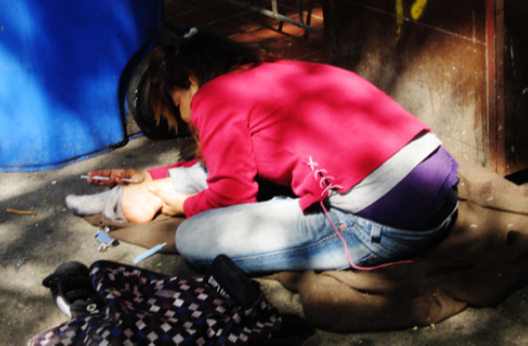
(147, 308)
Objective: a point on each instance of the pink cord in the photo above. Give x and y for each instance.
(348, 254)
(324, 180)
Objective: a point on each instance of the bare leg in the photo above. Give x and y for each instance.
(138, 204)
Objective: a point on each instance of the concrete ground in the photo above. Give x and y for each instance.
(54, 236)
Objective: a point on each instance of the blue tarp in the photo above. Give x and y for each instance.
(62, 66)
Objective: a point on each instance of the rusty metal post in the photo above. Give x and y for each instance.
(492, 89)
(495, 80)
(501, 96)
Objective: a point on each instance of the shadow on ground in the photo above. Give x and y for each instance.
(55, 236)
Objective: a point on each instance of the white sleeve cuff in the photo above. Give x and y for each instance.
(189, 179)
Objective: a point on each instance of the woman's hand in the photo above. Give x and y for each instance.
(115, 177)
(172, 201)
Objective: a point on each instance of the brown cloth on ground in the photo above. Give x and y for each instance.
(160, 230)
(480, 261)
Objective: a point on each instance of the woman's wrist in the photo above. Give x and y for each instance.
(184, 200)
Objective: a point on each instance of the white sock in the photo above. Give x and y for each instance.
(107, 203)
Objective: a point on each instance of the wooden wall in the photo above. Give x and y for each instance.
(434, 58)
(515, 85)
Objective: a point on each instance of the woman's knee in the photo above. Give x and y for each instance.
(184, 238)
(197, 241)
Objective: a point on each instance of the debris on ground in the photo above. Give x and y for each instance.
(24, 212)
(19, 262)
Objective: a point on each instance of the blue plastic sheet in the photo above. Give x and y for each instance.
(62, 72)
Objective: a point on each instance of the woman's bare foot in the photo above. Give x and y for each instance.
(141, 206)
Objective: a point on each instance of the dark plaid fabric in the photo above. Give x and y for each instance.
(147, 308)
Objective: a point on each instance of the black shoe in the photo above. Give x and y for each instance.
(72, 290)
(229, 280)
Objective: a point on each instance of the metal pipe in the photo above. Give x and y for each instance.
(276, 16)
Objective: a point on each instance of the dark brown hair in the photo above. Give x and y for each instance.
(204, 56)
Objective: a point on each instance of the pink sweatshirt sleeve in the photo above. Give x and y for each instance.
(228, 155)
(161, 172)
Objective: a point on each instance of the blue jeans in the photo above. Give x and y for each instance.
(277, 236)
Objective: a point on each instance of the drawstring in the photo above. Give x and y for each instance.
(324, 180)
(318, 174)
